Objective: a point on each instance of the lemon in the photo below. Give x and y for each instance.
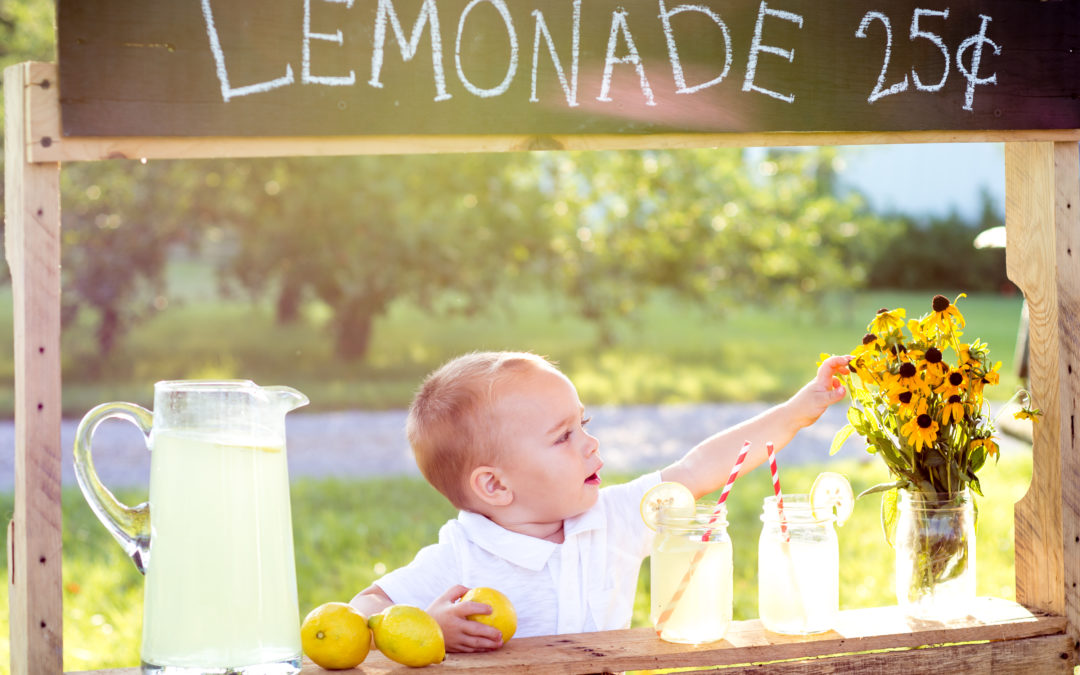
(335, 636)
(408, 635)
(832, 491)
(667, 495)
(502, 614)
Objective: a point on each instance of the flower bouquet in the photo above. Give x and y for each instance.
(917, 399)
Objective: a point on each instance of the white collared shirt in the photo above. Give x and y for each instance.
(586, 583)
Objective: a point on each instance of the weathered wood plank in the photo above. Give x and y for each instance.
(47, 143)
(1031, 212)
(32, 243)
(1067, 257)
(860, 630)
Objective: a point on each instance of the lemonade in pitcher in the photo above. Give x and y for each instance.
(219, 591)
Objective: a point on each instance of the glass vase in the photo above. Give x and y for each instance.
(935, 554)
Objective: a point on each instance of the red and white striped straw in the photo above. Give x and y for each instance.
(685, 581)
(776, 488)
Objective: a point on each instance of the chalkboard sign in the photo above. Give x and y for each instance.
(360, 67)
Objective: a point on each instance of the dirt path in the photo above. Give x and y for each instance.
(364, 444)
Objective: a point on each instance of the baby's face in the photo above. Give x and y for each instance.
(552, 463)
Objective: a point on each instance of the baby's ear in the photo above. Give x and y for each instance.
(486, 484)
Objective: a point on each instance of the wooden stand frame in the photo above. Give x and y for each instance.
(1038, 633)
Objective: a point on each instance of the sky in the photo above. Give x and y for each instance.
(927, 179)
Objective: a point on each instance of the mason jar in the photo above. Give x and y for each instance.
(935, 554)
(690, 576)
(798, 568)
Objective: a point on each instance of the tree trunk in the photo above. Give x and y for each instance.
(354, 321)
(108, 330)
(288, 301)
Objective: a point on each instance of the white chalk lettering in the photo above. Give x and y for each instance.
(975, 44)
(879, 89)
(673, 50)
(305, 69)
(228, 92)
(570, 89)
(619, 25)
(511, 68)
(916, 32)
(429, 15)
(756, 47)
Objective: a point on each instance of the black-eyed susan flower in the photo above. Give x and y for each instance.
(1027, 414)
(945, 314)
(920, 431)
(953, 383)
(907, 377)
(870, 343)
(989, 377)
(934, 366)
(887, 320)
(987, 443)
(953, 410)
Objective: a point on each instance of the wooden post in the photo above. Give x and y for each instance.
(32, 240)
(1042, 214)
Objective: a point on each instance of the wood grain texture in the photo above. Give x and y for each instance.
(1067, 268)
(1031, 260)
(46, 143)
(1005, 631)
(32, 243)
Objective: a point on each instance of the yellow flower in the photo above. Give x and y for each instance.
(908, 378)
(988, 443)
(933, 366)
(990, 377)
(886, 320)
(953, 410)
(953, 383)
(920, 431)
(1027, 414)
(945, 314)
(870, 345)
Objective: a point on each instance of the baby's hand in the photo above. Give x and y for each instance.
(459, 633)
(810, 402)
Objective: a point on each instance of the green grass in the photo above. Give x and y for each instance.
(348, 533)
(669, 352)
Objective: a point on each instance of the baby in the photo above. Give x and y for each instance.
(503, 436)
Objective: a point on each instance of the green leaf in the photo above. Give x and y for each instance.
(839, 439)
(890, 512)
(882, 487)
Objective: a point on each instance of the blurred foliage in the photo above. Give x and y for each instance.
(707, 224)
(938, 253)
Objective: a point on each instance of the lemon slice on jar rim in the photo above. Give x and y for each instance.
(666, 495)
(832, 491)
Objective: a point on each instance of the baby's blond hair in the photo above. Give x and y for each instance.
(447, 425)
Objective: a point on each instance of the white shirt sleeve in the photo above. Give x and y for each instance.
(430, 574)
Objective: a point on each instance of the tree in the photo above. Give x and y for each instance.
(602, 229)
(708, 225)
(120, 222)
(358, 233)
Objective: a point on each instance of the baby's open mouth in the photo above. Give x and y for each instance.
(593, 479)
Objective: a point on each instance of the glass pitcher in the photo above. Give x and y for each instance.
(215, 540)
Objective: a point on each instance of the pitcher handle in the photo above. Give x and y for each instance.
(129, 526)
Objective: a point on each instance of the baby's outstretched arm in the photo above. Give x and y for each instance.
(707, 466)
(459, 633)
